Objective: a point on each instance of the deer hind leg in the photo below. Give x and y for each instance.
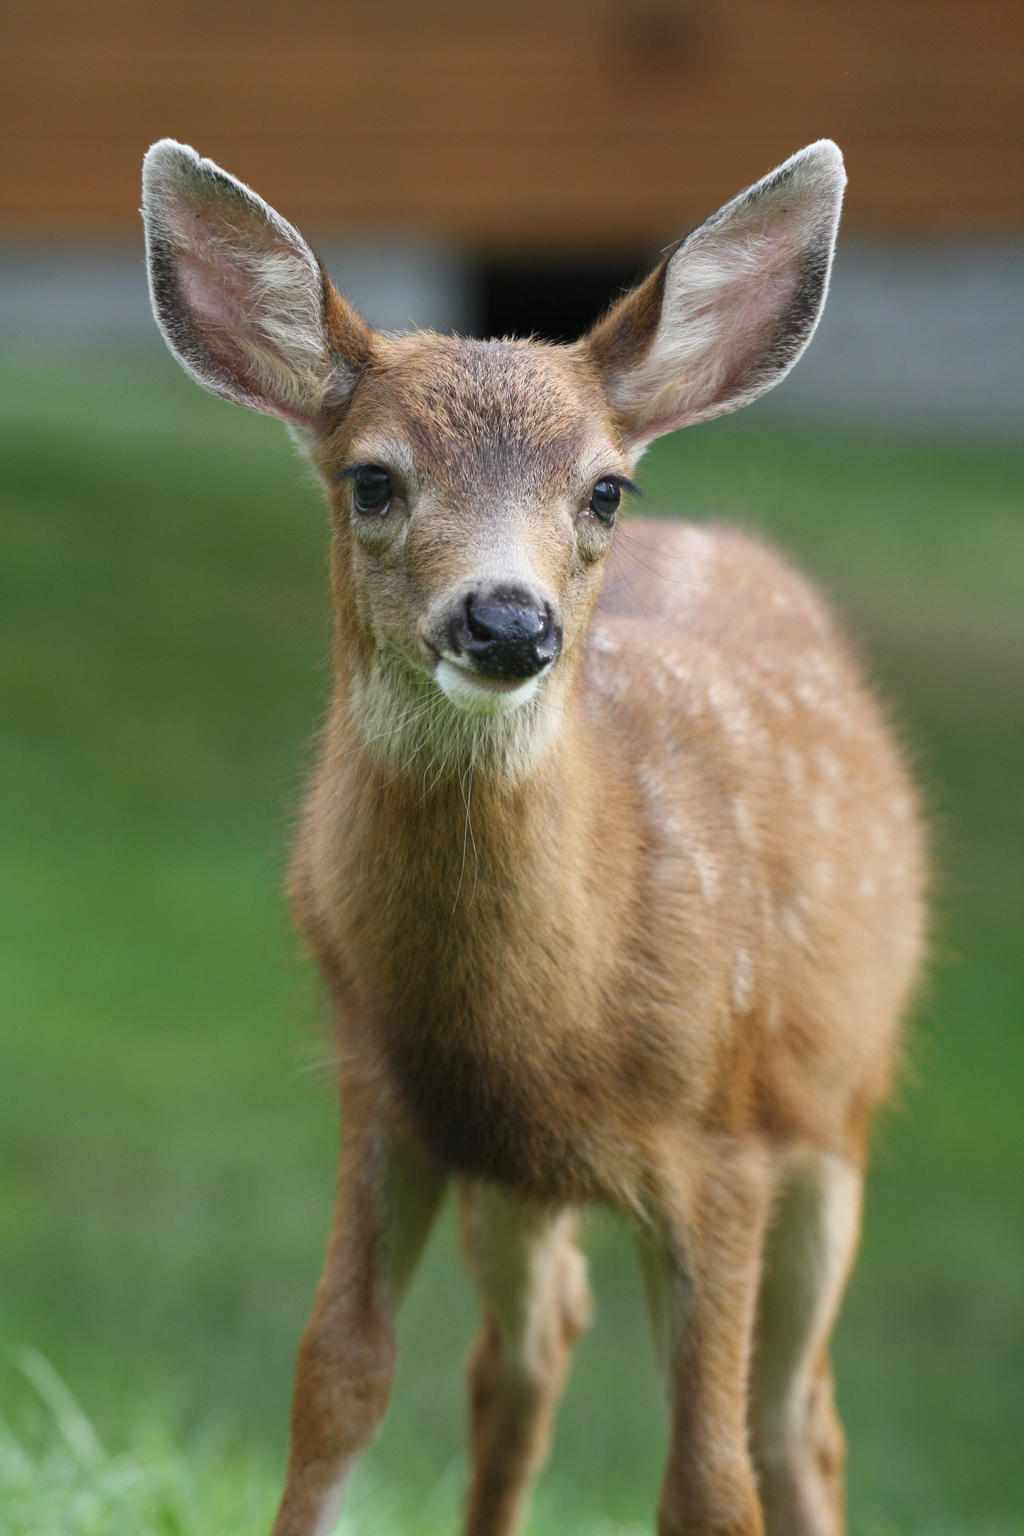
(387, 1199)
(795, 1433)
(535, 1301)
(701, 1259)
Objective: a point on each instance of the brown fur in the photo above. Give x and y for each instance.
(553, 1005)
(568, 902)
(643, 939)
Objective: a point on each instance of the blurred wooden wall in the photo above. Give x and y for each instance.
(541, 124)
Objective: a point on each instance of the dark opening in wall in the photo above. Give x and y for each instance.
(553, 298)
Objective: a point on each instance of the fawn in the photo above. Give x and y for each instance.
(616, 889)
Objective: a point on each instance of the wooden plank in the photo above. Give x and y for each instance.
(618, 131)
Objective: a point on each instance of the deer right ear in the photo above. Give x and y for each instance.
(242, 301)
(730, 309)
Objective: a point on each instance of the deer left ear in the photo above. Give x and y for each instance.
(242, 301)
(730, 309)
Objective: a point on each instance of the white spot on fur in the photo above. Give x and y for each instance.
(607, 676)
(708, 873)
(671, 837)
(700, 544)
(743, 821)
(699, 551)
(674, 836)
(779, 701)
(821, 810)
(817, 689)
(730, 708)
(816, 664)
(671, 667)
(793, 925)
(810, 696)
(742, 981)
(830, 767)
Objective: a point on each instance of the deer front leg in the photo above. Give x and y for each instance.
(387, 1198)
(535, 1300)
(702, 1265)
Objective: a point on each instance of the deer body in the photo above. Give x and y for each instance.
(486, 993)
(616, 888)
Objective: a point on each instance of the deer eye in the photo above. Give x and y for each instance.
(371, 492)
(604, 500)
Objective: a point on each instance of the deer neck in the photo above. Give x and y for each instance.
(418, 785)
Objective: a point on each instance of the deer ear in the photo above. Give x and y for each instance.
(242, 301)
(730, 309)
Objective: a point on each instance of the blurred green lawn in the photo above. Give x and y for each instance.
(167, 1128)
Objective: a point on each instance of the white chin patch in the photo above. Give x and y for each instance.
(479, 695)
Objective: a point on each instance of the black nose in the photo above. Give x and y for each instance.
(506, 633)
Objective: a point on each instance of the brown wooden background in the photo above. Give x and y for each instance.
(546, 123)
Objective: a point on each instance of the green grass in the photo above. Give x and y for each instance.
(167, 1128)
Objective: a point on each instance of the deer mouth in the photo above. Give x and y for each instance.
(477, 694)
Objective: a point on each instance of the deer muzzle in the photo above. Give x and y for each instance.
(494, 645)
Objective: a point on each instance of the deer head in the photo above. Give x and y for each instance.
(475, 484)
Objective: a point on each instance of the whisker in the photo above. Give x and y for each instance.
(467, 832)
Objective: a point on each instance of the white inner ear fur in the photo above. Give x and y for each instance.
(236, 290)
(742, 297)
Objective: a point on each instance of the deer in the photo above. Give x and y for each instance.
(610, 862)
